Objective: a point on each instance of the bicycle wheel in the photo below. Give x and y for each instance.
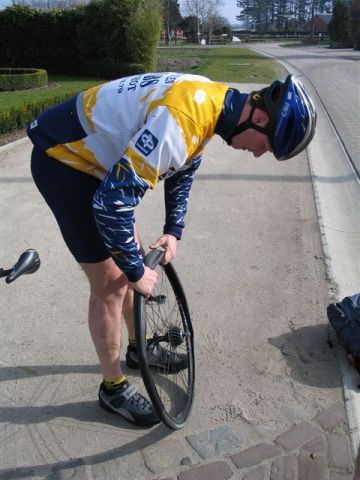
(164, 320)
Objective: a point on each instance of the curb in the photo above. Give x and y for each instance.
(339, 224)
(14, 144)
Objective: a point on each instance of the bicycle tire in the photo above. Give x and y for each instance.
(166, 315)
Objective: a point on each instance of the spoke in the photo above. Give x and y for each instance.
(174, 390)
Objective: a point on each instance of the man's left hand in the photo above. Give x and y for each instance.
(168, 243)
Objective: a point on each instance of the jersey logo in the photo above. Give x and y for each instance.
(146, 143)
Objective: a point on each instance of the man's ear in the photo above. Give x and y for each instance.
(260, 117)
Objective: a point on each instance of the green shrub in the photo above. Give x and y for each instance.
(119, 37)
(143, 32)
(16, 118)
(22, 78)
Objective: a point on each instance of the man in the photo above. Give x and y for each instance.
(97, 154)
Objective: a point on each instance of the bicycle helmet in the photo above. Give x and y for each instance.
(292, 117)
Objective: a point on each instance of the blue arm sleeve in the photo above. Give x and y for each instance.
(177, 190)
(113, 207)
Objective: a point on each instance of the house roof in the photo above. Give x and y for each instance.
(326, 17)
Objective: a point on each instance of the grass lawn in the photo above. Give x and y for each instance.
(57, 86)
(227, 64)
(301, 44)
(230, 64)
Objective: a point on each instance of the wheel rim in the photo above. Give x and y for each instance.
(165, 321)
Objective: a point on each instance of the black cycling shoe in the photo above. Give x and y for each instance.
(164, 360)
(129, 404)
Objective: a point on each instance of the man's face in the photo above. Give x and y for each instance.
(255, 142)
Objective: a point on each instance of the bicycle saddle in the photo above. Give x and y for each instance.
(28, 262)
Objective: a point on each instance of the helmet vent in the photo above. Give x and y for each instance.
(275, 93)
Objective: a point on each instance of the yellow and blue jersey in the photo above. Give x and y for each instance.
(130, 133)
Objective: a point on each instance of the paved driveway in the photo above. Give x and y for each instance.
(253, 268)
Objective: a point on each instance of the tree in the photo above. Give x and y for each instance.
(222, 26)
(189, 24)
(256, 13)
(50, 4)
(266, 15)
(205, 12)
(355, 28)
(172, 17)
(196, 8)
(340, 25)
(212, 16)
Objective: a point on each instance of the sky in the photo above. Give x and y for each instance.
(228, 10)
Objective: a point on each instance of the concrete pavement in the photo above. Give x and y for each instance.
(334, 158)
(269, 400)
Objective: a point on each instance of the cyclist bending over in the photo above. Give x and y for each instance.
(96, 155)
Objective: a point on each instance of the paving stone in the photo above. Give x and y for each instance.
(214, 442)
(162, 478)
(339, 451)
(341, 476)
(174, 453)
(312, 467)
(210, 471)
(333, 417)
(258, 473)
(298, 436)
(317, 445)
(254, 455)
(284, 468)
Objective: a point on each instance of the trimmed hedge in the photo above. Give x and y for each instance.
(16, 118)
(22, 78)
(40, 38)
(106, 38)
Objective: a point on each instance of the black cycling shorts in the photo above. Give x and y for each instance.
(69, 194)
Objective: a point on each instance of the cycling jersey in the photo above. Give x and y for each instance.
(131, 133)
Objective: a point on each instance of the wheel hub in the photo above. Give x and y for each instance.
(175, 336)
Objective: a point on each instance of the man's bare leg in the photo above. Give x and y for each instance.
(108, 287)
(128, 305)
(128, 312)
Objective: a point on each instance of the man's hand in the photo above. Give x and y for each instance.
(168, 243)
(147, 282)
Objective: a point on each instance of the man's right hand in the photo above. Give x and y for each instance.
(147, 282)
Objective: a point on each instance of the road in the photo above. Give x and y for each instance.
(253, 267)
(335, 75)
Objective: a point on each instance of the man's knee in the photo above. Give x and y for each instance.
(106, 280)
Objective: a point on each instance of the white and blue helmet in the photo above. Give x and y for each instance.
(292, 117)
